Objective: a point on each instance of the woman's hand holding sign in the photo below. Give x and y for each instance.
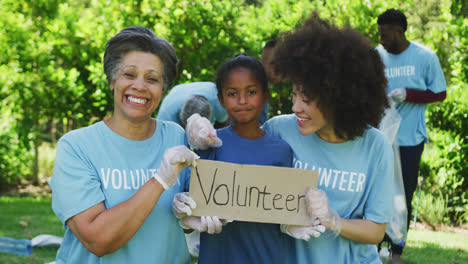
(303, 232)
(318, 209)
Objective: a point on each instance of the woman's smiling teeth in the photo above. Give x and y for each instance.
(136, 100)
(302, 119)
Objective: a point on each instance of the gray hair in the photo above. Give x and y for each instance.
(138, 38)
(195, 104)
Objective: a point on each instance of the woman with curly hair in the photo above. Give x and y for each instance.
(338, 98)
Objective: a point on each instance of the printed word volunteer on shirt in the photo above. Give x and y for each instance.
(401, 71)
(346, 181)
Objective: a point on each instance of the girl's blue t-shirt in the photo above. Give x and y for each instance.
(240, 241)
(357, 178)
(94, 165)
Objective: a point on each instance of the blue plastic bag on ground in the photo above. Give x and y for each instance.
(16, 246)
(25, 246)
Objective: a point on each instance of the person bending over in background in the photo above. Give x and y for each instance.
(186, 99)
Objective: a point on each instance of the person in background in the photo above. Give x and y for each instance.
(243, 90)
(183, 100)
(114, 181)
(267, 55)
(338, 98)
(415, 79)
(282, 102)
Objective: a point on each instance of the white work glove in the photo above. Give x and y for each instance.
(201, 133)
(398, 95)
(318, 209)
(303, 232)
(172, 163)
(182, 205)
(209, 224)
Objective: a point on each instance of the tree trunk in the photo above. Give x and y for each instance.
(36, 162)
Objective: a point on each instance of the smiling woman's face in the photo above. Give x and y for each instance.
(138, 86)
(309, 117)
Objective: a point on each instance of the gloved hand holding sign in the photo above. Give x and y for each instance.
(173, 161)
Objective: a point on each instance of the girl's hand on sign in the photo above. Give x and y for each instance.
(183, 204)
(209, 224)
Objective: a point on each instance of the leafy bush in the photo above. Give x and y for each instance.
(46, 160)
(431, 209)
(445, 160)
(15, 159)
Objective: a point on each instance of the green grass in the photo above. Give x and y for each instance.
(29, 217)
(435, 247)
(26, 218)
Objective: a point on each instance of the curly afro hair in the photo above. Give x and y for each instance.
(338, 67)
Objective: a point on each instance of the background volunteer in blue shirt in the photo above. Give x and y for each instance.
(415, 79)
(114, 181)
(338, 96)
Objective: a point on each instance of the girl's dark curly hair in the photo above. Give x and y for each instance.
(340, 68)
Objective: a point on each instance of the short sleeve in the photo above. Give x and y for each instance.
(270, 126)
(379, 205)
(75, 184)
(435, 79)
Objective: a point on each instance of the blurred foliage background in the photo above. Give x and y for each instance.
(52, 80)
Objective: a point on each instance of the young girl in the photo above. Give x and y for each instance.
(242, 90)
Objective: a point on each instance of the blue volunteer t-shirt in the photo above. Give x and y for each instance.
(248, 242)
(357, 178)
(93, 165)
(415, 68)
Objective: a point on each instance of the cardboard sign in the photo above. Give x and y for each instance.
(251, 193)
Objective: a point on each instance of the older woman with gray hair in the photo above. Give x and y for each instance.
(114, 181)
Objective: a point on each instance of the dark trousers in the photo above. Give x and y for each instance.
(410, 159)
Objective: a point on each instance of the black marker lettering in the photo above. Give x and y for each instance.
(207, 200)
(299, 197)
(250, 195)
(227, 195)
(265, 193)
(288, 199)
(245, 197)
(274, 199)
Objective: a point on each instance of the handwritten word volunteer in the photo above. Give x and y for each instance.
(221, 194)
